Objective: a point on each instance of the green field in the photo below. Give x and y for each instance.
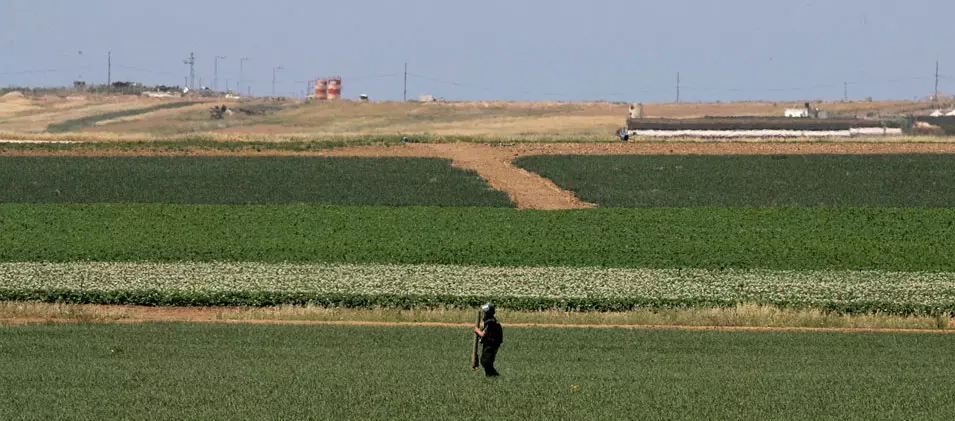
(163, 371)
(827, 235)
(847, 181)
(745, 238)
(244, 180)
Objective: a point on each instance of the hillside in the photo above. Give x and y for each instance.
(149, 117)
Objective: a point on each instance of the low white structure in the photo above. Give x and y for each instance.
(936, 113)
(740, 134)
(875, 131)
(735, 134)
(796, 112)
(158, 94)
(951, 114)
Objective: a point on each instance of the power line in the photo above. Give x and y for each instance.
(242, 60)
(139, 69)
(845, 85)
(529, 92)
(801, 88)
(38, 71)
(191, 61)
(937, 77)
(215, 77)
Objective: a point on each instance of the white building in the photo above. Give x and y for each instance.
(797, 112)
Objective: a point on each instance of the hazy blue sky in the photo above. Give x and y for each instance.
(493, 49)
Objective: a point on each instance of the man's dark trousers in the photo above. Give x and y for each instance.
(488, 354)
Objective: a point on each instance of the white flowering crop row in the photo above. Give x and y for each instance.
(591, 287)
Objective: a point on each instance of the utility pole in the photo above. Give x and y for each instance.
(109, 69)
(238, 86)
(215, 80)
(845, 92)
(678, 87)
(274, 69)
(191, 61)
(227, 85)
(936, 83)
(405, 96)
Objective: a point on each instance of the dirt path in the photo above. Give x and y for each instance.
(139, 314)
(529, 190)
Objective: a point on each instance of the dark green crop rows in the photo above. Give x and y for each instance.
(514, 303)
(790, 239)
(244, 180)
(84, 122)
(633, 181)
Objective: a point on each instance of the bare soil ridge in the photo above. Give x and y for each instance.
(139, 314)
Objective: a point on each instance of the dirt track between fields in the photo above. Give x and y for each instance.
(138, 314)
(529, 190)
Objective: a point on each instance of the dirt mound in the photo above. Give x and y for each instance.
(14, 94)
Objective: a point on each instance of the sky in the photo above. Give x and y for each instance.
(538, 50)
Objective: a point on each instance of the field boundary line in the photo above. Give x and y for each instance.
(464, 325)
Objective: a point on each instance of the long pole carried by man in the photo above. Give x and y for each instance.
(477, 340)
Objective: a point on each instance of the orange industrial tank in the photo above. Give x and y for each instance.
(334, 88)
(321, 89)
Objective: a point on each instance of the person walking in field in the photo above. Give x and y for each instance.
(492, 336)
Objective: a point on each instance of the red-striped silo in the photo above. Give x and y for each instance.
(321, 89)
(334, 88)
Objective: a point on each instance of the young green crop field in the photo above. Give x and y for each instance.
(709, 238)
(890, 261)
(867, 236)
(847, 181)
(257, 231)
(162, 371)
(244, 180)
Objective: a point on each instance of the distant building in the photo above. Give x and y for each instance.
(797, 112)
(806, 112)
